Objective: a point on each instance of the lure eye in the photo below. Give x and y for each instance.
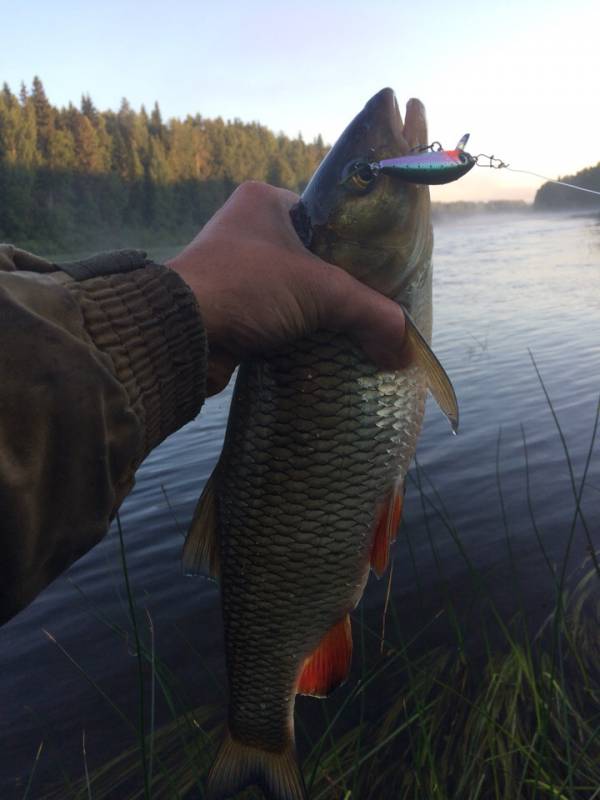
(463, 158)
(358, 175)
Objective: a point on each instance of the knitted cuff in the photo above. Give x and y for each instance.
(148, 322)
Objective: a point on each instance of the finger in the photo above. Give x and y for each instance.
(257, 210)
(415, 127)
(287, 197)
(255, 197)
(374, 322)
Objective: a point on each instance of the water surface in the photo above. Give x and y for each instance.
(507, 289)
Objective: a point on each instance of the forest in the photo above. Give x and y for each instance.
(82, 178)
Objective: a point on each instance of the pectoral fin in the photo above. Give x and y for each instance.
(438, 381)
(200, 551)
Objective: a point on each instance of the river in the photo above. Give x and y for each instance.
(508, 290)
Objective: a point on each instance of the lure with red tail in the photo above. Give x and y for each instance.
(426, 167)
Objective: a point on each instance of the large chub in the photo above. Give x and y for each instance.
(307, 494)
(238, 766)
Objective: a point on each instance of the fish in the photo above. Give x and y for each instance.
(307, 495)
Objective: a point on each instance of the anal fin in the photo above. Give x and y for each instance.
(329, 665)
(386, 530)
(200, 551)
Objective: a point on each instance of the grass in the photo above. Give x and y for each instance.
(517, 716)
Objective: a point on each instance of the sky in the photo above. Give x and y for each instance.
(520, 77)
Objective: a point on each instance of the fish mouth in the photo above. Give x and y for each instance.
(377, 132)
(382, 115)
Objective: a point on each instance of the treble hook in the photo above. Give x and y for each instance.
(434, 147)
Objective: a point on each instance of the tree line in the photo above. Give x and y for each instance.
(72, 175)
(554, 197)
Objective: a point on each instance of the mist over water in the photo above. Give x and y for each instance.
(504, 286)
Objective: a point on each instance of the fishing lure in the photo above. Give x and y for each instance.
(431, 165)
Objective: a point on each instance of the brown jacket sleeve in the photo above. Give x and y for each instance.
(99, 362)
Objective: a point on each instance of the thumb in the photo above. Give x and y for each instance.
(374, 322)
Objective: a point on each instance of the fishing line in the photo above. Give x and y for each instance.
(551, 180)
(497, 163)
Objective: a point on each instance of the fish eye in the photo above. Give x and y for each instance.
(358, 175)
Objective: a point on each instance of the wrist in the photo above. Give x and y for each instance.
(186, 265)
(204, 283)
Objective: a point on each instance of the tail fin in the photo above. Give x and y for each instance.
(238, 765)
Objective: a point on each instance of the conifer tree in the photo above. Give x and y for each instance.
(89, 109)
(65, 173)
(44, 117)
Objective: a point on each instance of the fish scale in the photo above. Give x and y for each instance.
(297, 509)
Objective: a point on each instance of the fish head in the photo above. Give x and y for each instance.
(374, 226)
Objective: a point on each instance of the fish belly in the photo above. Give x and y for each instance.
(316, 440)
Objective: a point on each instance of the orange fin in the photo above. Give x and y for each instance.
(386, 531)
(328, 667)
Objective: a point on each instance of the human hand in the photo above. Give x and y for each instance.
(258, 288)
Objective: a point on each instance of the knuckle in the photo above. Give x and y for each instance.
(253, 190)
